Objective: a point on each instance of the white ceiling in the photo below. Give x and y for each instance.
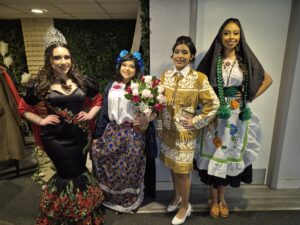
(70, 9)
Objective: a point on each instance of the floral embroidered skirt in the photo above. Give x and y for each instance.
(119, 164)
(227, 150)
(71, 201)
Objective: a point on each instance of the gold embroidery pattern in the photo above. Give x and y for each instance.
(186, 82)
(169, 79)
(180, 161)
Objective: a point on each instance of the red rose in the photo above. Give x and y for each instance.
(75, 121)
(155, 83)
(129, 90)
(64, 113)
(158, 106)
(143, 79)
(136, 99)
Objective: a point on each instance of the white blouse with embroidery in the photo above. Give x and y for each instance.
(120, 109)
(232, 73)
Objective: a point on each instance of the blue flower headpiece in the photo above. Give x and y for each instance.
(135, 55)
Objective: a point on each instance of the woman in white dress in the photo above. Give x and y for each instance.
(230, 144)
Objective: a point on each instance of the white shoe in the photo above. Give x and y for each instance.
(177, 221)
(172, 208)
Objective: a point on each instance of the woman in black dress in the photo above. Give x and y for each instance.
(72, 195)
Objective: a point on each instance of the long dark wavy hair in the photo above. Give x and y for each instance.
(127, 57)
(46, 75)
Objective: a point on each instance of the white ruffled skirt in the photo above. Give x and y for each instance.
(227, 147)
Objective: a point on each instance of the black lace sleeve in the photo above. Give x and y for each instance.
(91, 86)
(103, 119)
(30, 97)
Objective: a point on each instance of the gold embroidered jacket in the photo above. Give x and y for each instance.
(184, 96)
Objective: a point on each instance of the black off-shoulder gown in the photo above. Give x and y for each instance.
(72, 195)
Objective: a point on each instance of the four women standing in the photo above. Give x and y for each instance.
(229, 144)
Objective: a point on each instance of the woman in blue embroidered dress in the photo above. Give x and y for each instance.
(231, 143)
(118, 152)
(72, 195)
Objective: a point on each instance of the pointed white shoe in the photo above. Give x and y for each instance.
(172, 208)
(177, 221)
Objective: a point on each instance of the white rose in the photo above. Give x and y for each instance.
(160, 89)
(146, 94)
(161, 99)
(147, 112)
(8, 61)
(148, 79)
(3, 48)
(135, 92)
(25, 78)
(134, 86)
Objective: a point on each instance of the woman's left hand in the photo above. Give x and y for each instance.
(83, 116)
(187, 123)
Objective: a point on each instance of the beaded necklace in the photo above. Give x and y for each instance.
(226, 65)
(224, 111)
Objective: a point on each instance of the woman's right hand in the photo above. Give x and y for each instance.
(49, 120)
(140, 120)
(94, 141)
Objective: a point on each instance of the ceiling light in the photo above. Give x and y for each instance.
(38, 11)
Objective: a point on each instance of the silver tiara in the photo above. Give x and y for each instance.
(53, 36)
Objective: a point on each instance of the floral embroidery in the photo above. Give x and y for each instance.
(182, 156)
(234, 104)
(117, 86)
(217, 142)
(233, 129)
(73, 204)
(69, 117)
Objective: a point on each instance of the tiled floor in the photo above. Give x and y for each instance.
(245, 198)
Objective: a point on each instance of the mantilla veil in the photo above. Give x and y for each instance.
(255, 71)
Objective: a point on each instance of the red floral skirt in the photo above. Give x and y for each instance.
(71, 201)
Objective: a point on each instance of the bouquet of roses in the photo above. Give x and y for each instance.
(146, 95)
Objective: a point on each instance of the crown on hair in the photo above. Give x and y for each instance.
(53, 36)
